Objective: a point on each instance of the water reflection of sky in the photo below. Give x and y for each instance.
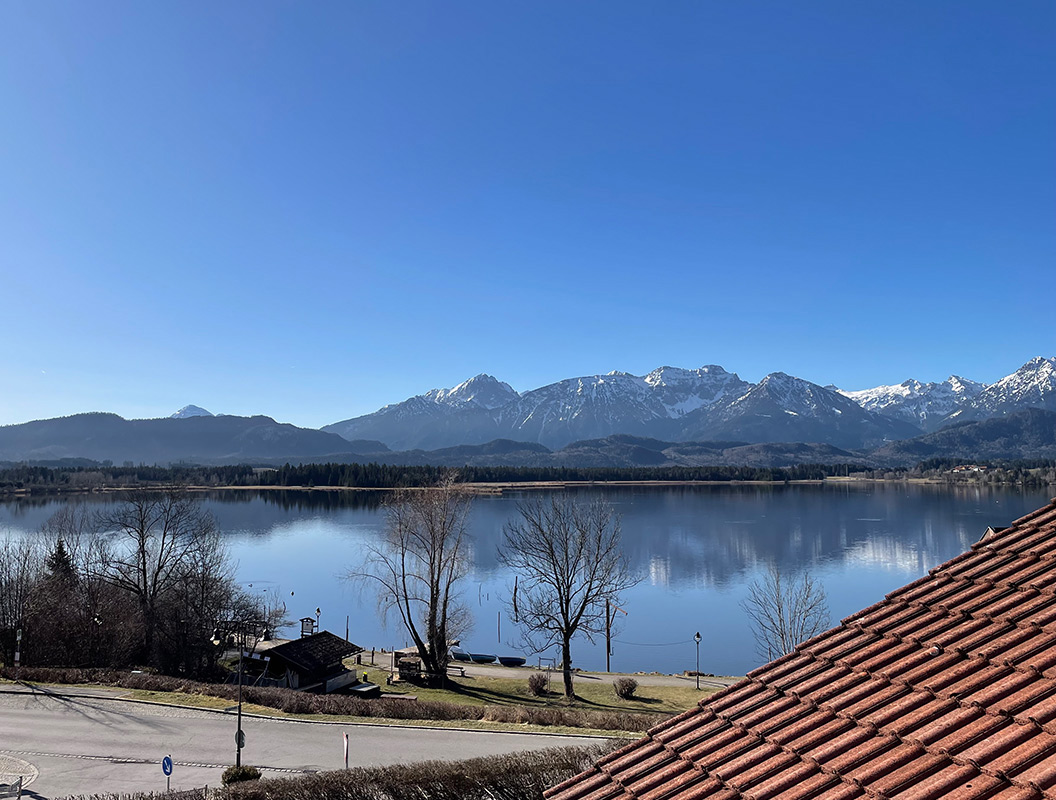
(696, 549)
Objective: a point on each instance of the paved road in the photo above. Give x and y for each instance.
(96, 743)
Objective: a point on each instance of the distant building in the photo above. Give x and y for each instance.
(945, 689)
(313, 663)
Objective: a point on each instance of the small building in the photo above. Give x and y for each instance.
(313, 663)
(945, 690)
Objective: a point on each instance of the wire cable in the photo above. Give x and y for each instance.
(653, 644)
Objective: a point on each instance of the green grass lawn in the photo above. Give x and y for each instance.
(591, 693)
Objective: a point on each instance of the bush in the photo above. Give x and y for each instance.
(517, 776)
(239, 774)
(537, 683)
(625, 688)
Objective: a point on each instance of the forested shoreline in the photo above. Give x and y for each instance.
(89, 477)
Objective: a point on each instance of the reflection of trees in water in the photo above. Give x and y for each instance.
(675, 536)
(314, 500)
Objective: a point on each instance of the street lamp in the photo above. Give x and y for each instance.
(240, 737)
(696, 638)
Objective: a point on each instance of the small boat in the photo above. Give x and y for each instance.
(459, 654)
(482, 658)
(511, 661)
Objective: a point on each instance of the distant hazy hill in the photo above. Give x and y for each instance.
(624, 451)
(1026, 434)
(203, 439)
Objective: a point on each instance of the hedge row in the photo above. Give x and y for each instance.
(518, 776)
(294, 702)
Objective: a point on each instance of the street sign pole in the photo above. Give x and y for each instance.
(346, 750)
(166, 767)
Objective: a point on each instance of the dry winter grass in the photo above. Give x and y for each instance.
(300, 703)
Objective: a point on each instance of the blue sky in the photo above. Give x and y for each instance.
(311, 210)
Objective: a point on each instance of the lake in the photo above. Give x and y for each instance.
(697, 549)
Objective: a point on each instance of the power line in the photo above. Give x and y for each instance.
(653, 644)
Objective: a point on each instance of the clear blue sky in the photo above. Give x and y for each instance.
(310, 210)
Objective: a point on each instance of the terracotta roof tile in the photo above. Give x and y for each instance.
(916, 721)
(900, 709)
(913, 771)
(665, 783)
(805, 736)
(961, 730)
(987, 749)
(1041, 776)
(778, 763)
(945, 690)
(871, 770)
(782, 783)
(953, 780)
(710, 788)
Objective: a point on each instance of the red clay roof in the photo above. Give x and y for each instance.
(945, 689)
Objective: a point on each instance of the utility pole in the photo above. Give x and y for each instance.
(240, 737)
(608, 636)
(696, 638)
(609, 617)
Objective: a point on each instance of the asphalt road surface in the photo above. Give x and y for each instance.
(88, 744)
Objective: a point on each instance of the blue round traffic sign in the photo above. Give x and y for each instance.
(166, 765)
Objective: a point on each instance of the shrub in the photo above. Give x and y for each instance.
(537, 683)
(239, 774)
(625, 688)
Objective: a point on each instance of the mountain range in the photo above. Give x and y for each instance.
(670, 416)
(709, 403)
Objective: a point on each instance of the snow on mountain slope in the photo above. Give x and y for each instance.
(675, 404)
(482, 390)
(922, 404)
(682, 391)
(587, 407)
(191, 411)
(601, 405)
(1031, 386)
(783, 408)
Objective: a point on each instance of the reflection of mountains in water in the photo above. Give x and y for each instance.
(675, 537)
(684, 539)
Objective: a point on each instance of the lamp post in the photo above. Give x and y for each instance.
(696, 638)
(240, 737)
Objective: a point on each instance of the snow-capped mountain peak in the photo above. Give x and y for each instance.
(677, 404)
(191, 411)
(964, 386)
(1031, 386)
(481, 390)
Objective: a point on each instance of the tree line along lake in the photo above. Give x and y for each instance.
(696, 549)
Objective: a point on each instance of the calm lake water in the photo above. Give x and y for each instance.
(696, 548)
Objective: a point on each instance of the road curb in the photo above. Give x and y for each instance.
(31, 690)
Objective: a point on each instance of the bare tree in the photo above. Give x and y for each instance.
(156, 540)
(785, 611)
(417, 566)
(568, 560)
(21, 567)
